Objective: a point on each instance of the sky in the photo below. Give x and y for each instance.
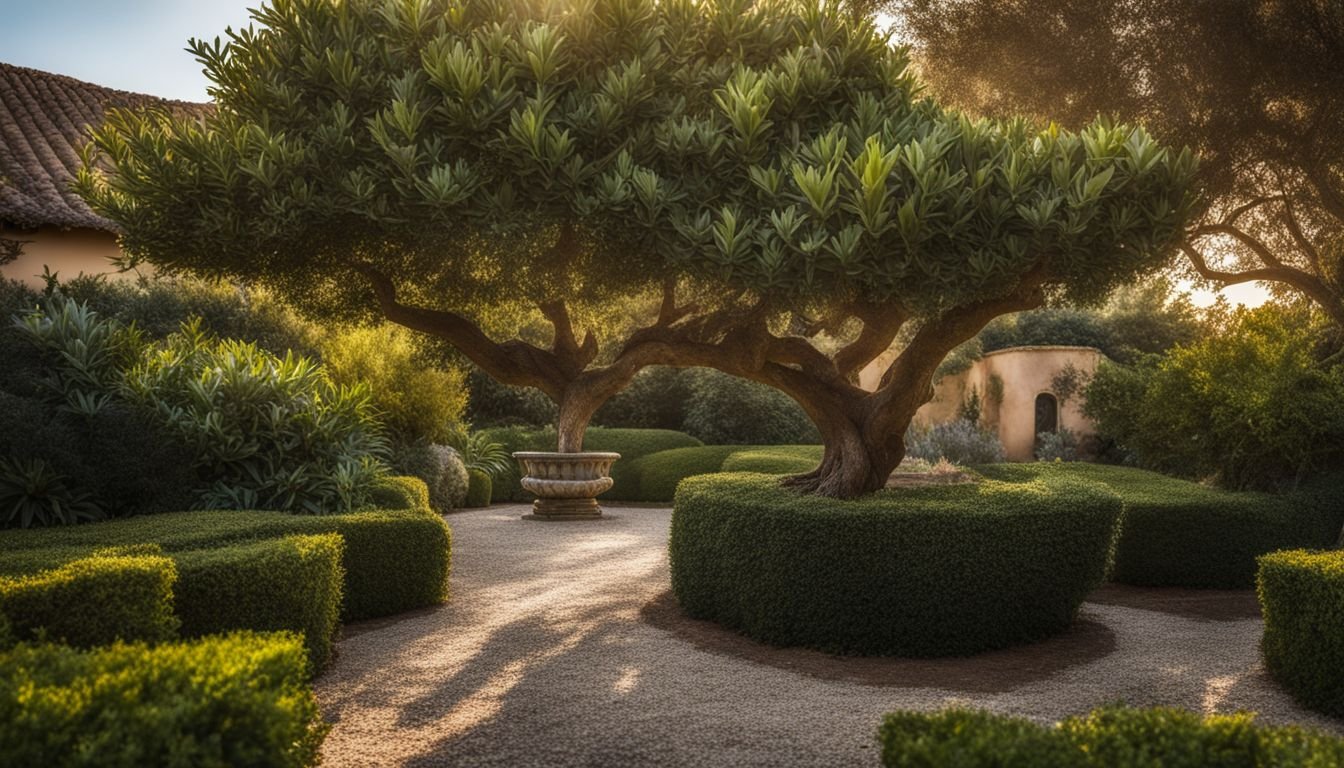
(138, 45)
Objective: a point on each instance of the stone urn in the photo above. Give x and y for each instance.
(566, 484)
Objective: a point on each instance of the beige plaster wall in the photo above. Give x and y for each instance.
(67, 252)
(1025, 372)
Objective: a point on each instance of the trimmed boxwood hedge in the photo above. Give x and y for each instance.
(774, 460)
(1302, 601)
(93, 601)
(654, 477)
(293, 583)
(936, 571)
(394, 561)
(1179, 533)
(222, 701)
(479, 489)
(1110, 737)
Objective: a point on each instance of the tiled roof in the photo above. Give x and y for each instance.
(44, 121)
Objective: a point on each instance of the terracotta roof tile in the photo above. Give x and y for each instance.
(44, 120)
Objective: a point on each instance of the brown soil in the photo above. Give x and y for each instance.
(991, 672)
(900, 479)
(1205, 604)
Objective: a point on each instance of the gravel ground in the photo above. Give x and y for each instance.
(543, 657)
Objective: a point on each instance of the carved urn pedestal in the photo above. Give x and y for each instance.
(566, 484)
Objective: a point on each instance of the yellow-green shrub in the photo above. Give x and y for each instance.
(1302, 600)
(214, 703)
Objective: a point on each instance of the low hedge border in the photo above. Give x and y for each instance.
(937, 571)
(93, 601)
(1181, 534)
(1110, 737)
(1302, 600)
(654, 478)
(291, 584)
(394, 561)
(236, 700)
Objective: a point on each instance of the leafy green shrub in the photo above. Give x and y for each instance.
(876, 575)
(441, 469)
(1178, 533)
(1251, 407)
(415, 401)
(654, 477)
(479, 452)
(93, 601)
(213, 703)
(478, 489)
(32, 493)
(655, 399)
(960, 442)
(394, 560)
(725, 410)
(1109, 737)
(1058, 446)
(293, 583)
(265, 433)
(1302, 600)
(491, 404)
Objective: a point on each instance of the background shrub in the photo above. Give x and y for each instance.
(491, 404)
(213, 703)
(1178, 533)
(292, 583)
(93, 601)
(725, 410)
(441, 469)
(774, 460)
(1109, 737)
(478, 489)
(1302, 601)
(654, 477)
(877, 575)
(264, 432)
(630, 443)
(960, 442)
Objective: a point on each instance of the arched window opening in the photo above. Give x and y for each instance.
(1047, 413)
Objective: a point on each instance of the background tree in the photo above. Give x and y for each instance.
(1256, 86)
(762, 171)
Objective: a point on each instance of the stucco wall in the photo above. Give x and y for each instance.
(67, 252)
(1025, 372)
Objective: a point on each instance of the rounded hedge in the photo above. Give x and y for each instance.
(478, 489)
(935, 571)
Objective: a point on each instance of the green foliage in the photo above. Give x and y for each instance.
(400, 493)
(157, 306)
(1047, 327)
(1062, 445)
(394, 560)
(292, 583)
(93, 601)
(478, 489)
(482, 454)
(960, 442)
(654, 477)
(416, 402)
(1181, 534)
(214, 703)
(492, 405)
(440, 468)
(1109, 737)
(1251, 407)
(32, 493)
(1302, 600)
(761, 559)
(265, 432)
(88, 353)
(726, 410)
(655, 399)
(774, 460)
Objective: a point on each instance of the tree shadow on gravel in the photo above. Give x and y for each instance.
(991, 672)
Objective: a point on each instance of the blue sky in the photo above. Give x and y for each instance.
(134, 45)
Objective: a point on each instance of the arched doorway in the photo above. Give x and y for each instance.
(1047, 413)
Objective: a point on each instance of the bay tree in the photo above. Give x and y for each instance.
(764, 179)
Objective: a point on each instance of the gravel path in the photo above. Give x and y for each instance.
(542, 657)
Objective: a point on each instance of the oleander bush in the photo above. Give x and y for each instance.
(93, 601)
(241, 699)
(1108, 737)
(1179, 533)
(292, 583)
(1302, 601)
(394, 559)
(933, 571)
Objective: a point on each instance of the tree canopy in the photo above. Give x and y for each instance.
(1256, 86)
(767, 173)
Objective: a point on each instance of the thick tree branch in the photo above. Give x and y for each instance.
(1305, 282)
(880, 326)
